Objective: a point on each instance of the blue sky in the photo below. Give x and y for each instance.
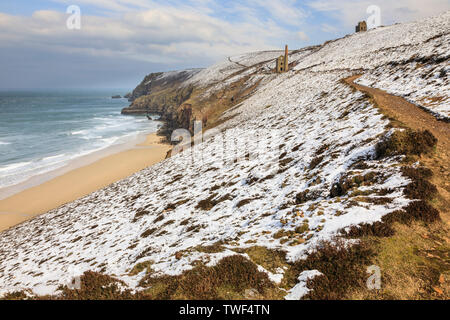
(120, 41)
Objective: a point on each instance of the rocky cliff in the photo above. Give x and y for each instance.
(163, 93)
(160, 90)
(180, 98)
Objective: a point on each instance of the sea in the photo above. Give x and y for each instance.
(41, 131)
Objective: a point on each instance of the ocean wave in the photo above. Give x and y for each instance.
(91, 137)
(103, 133)
(16, 173)
(103, 118)
(54, 157)
(111, 140)
(79, 132)
(4, 143)
(14, 166)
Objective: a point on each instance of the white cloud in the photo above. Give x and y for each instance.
(167, 32)
(286, 11)
(180, 33)
(349, 12)
(171, 34)
(303, 36)
(328, 28)
(134, 25)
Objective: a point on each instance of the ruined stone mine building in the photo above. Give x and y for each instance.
(283, 62)
(361, 27)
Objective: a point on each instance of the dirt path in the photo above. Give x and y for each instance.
(416, 118)
(237, 63)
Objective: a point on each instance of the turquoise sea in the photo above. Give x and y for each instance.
(41, 131)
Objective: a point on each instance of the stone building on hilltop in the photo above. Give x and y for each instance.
(361, 27)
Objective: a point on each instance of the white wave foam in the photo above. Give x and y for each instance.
(80, 132)
(13, 166)
(54, 157)
(104, 132)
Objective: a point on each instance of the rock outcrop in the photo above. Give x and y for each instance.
(156, 82)
(164, 94)
(160, 101)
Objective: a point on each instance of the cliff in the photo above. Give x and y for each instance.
(181, 97)
(163, 93)
(158, 91)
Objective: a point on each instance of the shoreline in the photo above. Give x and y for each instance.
(78, 179)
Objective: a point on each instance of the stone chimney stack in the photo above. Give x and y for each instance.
(286, 58)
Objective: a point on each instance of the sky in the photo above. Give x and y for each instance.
(118, 42)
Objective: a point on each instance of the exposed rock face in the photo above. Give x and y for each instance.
(161, 100)
(165, 94)
(181, 117)
(144, 87)
(160, 81)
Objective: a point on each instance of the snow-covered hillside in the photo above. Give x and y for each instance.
(297, 134)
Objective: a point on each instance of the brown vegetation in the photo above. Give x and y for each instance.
(315, 162)
(347, 183)
(210, 202)
(343, 267)
(96, 286)
(407, 142)
(229, 279)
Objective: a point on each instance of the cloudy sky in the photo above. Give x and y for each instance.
(120, 41)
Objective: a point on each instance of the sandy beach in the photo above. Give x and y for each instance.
(80, 182)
